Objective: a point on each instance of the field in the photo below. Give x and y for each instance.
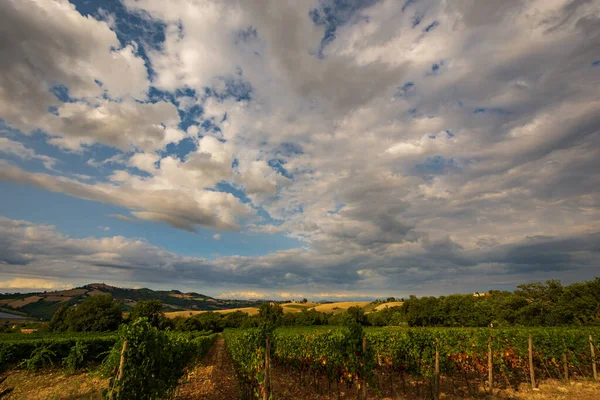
(149, 362)
(334, 308)
(402, 361)
(388, 305)
(321, 362)
(175, 314)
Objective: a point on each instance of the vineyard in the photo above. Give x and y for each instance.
(420, 362)
(139, 360)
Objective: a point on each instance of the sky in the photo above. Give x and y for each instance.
(329, 149)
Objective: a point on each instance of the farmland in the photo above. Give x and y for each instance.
(312, 362)
(402, 361)
(333, 308)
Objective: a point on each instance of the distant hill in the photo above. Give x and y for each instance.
(42, 305)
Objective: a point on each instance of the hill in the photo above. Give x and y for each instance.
(42, 305)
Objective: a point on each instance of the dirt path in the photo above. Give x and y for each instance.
(213, 379)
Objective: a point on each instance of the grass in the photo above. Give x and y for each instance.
(187, 313)
(335, 308)
(340, 307)
(53, 384)
(387, 305)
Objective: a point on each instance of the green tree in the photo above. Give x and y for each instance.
(149, 309)
(357, 314)
(270, 315)
(59, 322)
(96, 313)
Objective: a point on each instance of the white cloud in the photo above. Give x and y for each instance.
(468, 126)
(217, 236)
(17, 149)
(33, 284)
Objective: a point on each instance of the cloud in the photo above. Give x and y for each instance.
(17, 149)
(216, 236)
(42, 250)
(16, 284)
(123, 218)
(334, 131)
(179, 206)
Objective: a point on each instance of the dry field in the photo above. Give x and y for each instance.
(187, 313)
(334, 308)
(23, 302)
(387, 305)
(340, 307)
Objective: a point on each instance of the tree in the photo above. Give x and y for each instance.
(357, 314)
(270, 315)
(59, 322)
(304, 300)
(234, 319)
(96, 313)
(150, 309)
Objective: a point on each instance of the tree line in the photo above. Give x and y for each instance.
(531, 304)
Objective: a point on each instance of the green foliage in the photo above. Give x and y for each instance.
(18, 347)
(246, 348)
(59, 323)
(95, 314)
(77, 357)
(532, 304)
(270, 315)
(149, 309)
(335, 352)
(42, 356)
(154, 360)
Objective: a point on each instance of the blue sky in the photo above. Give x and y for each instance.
(328, 149)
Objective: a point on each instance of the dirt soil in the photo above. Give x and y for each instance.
(213, 379)
(52, 385)
(287, 386)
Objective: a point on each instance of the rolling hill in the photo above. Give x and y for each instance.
(42, 305)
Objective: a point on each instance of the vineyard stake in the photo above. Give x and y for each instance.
(531, 372)
(266, 389)
(565, 366)
(593, 359)
(364, 380)
(436, 394)
(120, 370)
(122, 361)
(490, 368)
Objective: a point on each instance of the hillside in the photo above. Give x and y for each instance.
(42, 305)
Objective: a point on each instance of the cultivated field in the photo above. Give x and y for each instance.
(335, 308)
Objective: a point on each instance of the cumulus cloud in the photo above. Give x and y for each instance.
(42, 250)
(17, 149)
(400, 142)
(16, 284)
(178, 206)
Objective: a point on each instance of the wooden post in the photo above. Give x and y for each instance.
(531, 371)
(364, 377)
(266, 388)
(436, 393)
(565, 366)
(595, 373)
(490, 368)
(120, 370)
(122, 361)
